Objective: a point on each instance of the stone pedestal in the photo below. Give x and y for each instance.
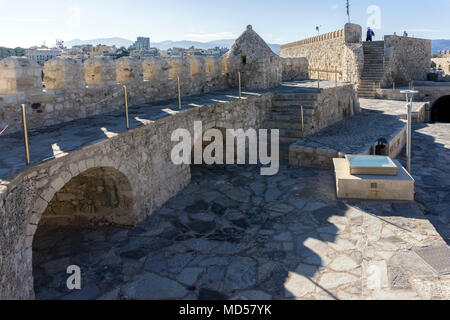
(371, 187)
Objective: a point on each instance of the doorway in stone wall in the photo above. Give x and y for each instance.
(440, 111)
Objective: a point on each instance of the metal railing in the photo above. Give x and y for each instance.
(327, 72)
(127, 119)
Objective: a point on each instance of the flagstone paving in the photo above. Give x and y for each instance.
(235, 234)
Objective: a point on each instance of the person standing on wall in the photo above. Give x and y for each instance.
(370, 34)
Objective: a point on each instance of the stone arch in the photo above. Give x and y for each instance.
(101, 195)
(440, 111)
(96, 196)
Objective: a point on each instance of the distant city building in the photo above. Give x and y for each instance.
(180, 52)
(42, 54)
(142, 43)
(217, 51)
(143, 54)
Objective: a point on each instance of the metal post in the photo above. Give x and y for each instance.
(25, 134)
(179, 92)
(408, 143)
(318, 79)
(303, 122)
(240, 85)
(393, 85)
(127, 120)
(409, 99)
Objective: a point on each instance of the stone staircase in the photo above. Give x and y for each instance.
(373, 69)
(285, 116)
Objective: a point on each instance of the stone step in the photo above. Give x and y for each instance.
(297, 102)
(283, 124)
(291, 133)
(296, 96)
(277, 116)
(373, 67)
(368, 87)
(373, 50)
(287, 140)
(374, 62)
(371, 78)
(363, 81)
(293, 110)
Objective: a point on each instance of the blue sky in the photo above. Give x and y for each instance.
(26, 23)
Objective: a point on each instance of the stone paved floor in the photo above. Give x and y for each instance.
(233, 233)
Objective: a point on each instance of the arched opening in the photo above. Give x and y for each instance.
(76, 221)
(440, 112)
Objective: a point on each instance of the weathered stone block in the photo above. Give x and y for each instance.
(100, 71)
(19, 74)
(64, 73)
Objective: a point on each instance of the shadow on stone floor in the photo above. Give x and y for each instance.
(431, 170)
(230, 233)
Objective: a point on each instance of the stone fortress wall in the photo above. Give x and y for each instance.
(406, 59)
(74, 90)
(139, 162)
(341, 50)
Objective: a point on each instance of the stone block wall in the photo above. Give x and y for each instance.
(295, 69)
(333, 105)
(405, 59)
(340, 50)
(141, 156)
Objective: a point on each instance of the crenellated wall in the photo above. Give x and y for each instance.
(339, 50)
(74, 90)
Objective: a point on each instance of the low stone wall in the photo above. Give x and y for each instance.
(333, 105)
(405, 59)
(340, 50)
(140, 155)
(356, 135)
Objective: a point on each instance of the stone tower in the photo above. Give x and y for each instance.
(260, 67)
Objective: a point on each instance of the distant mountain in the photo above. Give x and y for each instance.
(118, 42)
(164, 45)
(440, 45)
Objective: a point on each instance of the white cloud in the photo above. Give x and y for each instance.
(334, 7)
(210, 36)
